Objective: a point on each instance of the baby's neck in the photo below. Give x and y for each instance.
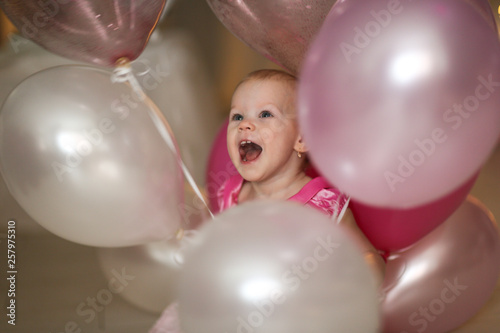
(276, 188)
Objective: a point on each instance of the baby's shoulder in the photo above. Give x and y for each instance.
(326, 197)
(330, 196)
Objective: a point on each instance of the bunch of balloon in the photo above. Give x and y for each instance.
(84, 151)
(88, 155)
(400, 113)
(454, 269)
(410, 106)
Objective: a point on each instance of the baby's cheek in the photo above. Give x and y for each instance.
(235, 159)
(230, 147)
(267, 135)
(279, 125)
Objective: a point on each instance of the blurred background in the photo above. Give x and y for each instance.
(58, 279)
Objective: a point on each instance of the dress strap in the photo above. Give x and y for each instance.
(310, 189)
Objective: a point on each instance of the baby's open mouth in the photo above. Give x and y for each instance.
(249, 151)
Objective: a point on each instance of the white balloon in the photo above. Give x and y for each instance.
(172, 74)
(84, 159)
(154, 270)
(19, 58)
(276, 267)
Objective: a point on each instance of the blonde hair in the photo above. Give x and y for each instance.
(273, 74)
(270, 74)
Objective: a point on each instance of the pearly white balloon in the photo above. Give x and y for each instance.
(276, 267)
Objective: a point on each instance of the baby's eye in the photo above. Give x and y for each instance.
(265, 114)
(237, 117)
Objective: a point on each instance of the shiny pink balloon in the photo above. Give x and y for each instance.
(444, 279)
(395, 229)
(219, 168)
(95, 31)
(398, 100)
(279, 30)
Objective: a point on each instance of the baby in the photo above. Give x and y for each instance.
(265, 146)
(267, 149)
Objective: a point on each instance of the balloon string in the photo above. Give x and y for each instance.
(338, 217)
(123, 73)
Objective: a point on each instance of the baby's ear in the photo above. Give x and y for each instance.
(300, 145)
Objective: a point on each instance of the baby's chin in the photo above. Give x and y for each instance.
(251, 178)
(249, 174)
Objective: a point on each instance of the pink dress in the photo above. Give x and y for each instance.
(317, 194)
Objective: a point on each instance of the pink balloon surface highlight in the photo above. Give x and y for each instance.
(395, 229)
(398, 100)
(95, 31)
(444, 279)
(279, 30)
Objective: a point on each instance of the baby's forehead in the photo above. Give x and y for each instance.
(275, 80)
(283, 87)
(271, 91)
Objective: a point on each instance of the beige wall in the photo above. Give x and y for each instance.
(5, 28)
(228, 59)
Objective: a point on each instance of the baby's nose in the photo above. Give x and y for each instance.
(246, 125)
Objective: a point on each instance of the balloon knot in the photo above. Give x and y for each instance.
(123, 61)
(179, 234)
(123, 73)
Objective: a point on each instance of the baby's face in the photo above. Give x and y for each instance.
(262, 130)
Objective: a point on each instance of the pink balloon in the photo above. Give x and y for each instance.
(444, 279)
(395, 229)
(219, 168)
(95, 31)
(279, 30)
(398, 101)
